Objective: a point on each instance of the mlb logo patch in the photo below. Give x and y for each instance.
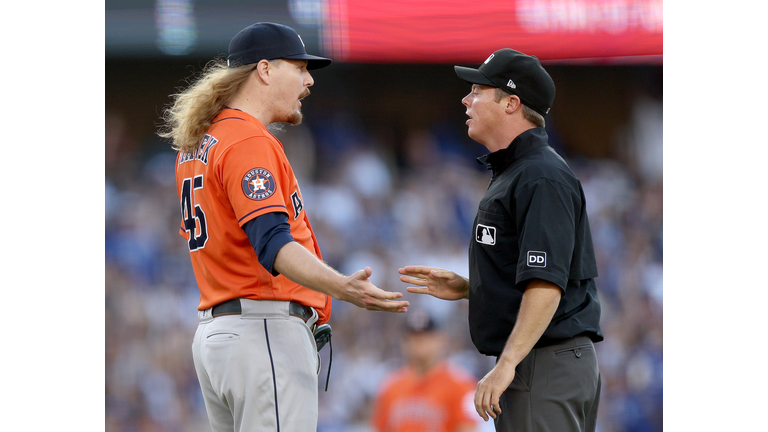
(485, 234)
(537, 259)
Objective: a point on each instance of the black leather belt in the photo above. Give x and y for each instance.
(232, 307)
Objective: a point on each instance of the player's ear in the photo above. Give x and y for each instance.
(263, 71)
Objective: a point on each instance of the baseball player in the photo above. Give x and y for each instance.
(427, 394)
(263, 285)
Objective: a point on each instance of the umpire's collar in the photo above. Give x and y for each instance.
(520, 146)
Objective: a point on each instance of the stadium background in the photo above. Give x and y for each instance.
(389, 178)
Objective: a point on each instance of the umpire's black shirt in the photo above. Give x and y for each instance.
(532, 224)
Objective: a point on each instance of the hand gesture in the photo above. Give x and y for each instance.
(443, 284)
(359, 291)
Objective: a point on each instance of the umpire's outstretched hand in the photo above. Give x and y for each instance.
(443, 284)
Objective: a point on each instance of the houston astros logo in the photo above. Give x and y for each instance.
(258, 184)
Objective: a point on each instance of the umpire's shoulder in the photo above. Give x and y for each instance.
(546, 164)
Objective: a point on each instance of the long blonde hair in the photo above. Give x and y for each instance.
(189, 116)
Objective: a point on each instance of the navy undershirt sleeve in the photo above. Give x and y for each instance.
(268, 233)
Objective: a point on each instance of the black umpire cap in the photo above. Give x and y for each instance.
(270, 41)
(515, 73)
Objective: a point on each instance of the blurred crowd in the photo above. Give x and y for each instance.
(384, 202)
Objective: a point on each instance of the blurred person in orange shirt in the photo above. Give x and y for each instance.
(428, 394)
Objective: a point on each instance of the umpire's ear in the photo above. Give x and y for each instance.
(512, 104)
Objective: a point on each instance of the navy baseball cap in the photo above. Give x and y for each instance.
(515, 73)
(420, 322)
(270, 41)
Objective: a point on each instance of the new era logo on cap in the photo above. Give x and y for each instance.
(537, 259)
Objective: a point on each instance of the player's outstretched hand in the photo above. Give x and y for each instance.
(362, 293)
(443, 284)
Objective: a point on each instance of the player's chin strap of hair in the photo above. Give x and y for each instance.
(323, 336)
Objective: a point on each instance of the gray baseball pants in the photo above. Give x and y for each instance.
(556, 389)
(258, 370)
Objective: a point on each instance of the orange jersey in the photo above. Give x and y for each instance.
(440, 401)
(239, 172)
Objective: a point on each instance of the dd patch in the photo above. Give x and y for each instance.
(258, 184)
(537, 259)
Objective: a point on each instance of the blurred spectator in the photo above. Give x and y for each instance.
(427, 394)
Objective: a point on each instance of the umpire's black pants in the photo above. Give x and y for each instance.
(556, 389)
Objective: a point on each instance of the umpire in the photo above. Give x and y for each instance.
(532, 297)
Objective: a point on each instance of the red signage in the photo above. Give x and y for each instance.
(439, 31)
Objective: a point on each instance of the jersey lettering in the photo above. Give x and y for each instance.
(192, 215)
(298, 206)
(201, 153)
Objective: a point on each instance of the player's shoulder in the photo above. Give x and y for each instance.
(390, 387)
(403, 373)
(395, 379)
(458, 374)
(233, 129)
(243, 135)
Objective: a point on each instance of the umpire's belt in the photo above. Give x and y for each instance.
(233, 307)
